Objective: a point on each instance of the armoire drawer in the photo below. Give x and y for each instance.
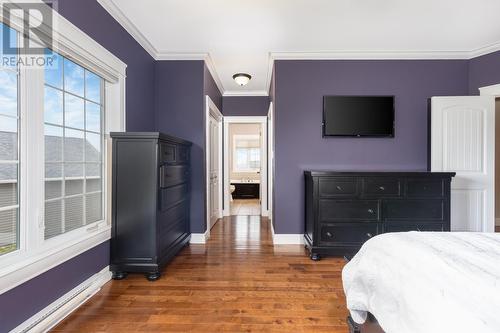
(172, 195)
(173, 214)
(182, 154)
(424, 189)
(348, 233)
(338, 187)
(353, 210)
(173, 174)
(381, 187)
(168, 153)
(430, 209)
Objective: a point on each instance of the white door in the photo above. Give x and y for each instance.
(214, 171)
(463, 141)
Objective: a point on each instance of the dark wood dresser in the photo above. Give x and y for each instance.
(150, 209)
(344, 209)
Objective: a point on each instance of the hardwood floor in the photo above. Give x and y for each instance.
(245, 207)
(237, 282)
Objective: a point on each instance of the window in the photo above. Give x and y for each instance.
(73, 147)
(9, 153)
(54, 130)
(246, 153)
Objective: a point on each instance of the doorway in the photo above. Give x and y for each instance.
(245, 159)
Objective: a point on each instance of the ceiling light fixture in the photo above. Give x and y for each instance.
(242, 78)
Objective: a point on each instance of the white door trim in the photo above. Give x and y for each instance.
(262, 120)
(211, 110)
(493, 90)
(270, 161)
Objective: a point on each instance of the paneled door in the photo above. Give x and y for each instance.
(463, 141)
(214, 167)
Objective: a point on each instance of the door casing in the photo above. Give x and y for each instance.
(212, 111)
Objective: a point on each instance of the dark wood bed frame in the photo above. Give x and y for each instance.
(370, 326)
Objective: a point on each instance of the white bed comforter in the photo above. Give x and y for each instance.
(425, 282)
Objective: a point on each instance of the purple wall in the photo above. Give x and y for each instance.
(20, 303)
(180, 87)
(300, 86)
(245, 105)
(484, 71)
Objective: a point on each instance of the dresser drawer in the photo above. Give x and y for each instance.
(168, 153)
(402, 227)
(172, 214)
(348, 233)
(381, 187)
(172, 195)
(414, 210)
(335, 210)
(171, 153)
(338, 187)
(173, 174)
(182, 154)
(424, 188)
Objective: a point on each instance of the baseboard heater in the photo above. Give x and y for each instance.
(53, 314)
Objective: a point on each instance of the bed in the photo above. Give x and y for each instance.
(425, 282)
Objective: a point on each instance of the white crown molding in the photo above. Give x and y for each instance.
(194, 56)
(122, 19)
(484, 50)
(119, 16)
(181, 56)
(371, 55)
(248, 93)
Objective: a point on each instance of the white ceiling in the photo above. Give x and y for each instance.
(245, 35)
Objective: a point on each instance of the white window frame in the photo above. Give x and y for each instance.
(35, 255)
(237, 137)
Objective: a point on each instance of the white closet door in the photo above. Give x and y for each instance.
(463, 141)
(214, 171)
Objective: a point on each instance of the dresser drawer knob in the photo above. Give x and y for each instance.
(339, 188)
(369, 235)
(370, 211)
(382, 188)
(329, 234)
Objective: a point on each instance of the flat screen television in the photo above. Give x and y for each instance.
(358, 116)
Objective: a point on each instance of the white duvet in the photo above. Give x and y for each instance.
(425, 282)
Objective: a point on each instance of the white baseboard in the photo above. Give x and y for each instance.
(53, 314)
(199, 238)
(286, 239)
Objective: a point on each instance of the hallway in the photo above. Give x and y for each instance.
(245, 207)
(237, 282)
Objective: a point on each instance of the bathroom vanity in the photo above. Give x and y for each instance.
(246, 189)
